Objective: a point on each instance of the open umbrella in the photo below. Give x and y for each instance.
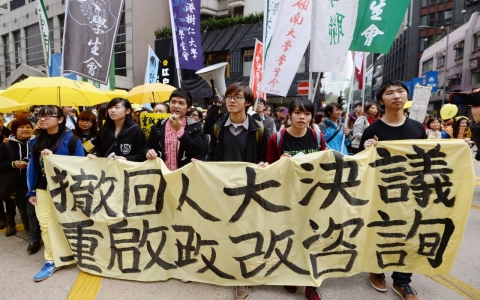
(149, 93)
(55, 90)
(115, 94)
(408, 104)
(9, 105)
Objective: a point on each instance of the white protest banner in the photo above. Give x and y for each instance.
(333, 24)
(420, 100)
(289, 42)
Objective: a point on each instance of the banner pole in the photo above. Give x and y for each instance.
(350, 96)
(174, 38)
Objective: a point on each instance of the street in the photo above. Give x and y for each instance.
(18, 268)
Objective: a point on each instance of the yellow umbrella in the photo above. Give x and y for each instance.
(149, 93)
(408, 104)
(9, 105)
(55, 90)
(115, 94)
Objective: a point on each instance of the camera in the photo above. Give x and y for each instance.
(471, 99)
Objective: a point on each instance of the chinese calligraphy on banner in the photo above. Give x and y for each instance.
(377, 24)
(290, 39)
(332, 33)
(257, 70)
(89, 37)
(147, 120)
(396, 206)
(272, 10)
(186, 22)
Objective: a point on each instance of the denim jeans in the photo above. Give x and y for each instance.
(401, 278)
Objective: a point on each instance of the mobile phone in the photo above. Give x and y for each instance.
(472, 99)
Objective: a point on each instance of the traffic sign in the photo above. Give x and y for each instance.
(302, 88)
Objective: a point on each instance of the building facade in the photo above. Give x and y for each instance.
(21, 51)
(460, 60)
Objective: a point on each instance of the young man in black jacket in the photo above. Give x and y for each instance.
(178, 139)
(237, 136)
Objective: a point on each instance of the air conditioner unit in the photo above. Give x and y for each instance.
(441, 54)
(458, 46)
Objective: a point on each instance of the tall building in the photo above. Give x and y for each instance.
(402, 60)
(21, 51)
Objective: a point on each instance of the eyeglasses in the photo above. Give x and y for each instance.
(234, 98)
(46, 117)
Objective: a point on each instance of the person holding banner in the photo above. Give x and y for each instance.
(298, 139)
(52, 138)
(237, 136)
(120, 137)
(393, 125)
(178, 139)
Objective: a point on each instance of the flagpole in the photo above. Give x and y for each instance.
(44, 32)
(316, 84)
(175, 50)
(350, 96)
(364, 66)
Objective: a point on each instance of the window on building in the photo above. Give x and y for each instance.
(423, 43)
(433, 2)
(475, 77)
(424, 20)
(247, 61)
(34, 46)
(18, 50)
(61, 19)
(6, 54)
(458, 47)
(238, 11)
(476, 41)
(427, 65)
(120, 49)
(441, 20)
(14, 4)
(440, 1)
(440, 59)
(219, 57)
(456, 81)
(431, 20)
(50, 34)
(448, 16)
(424, 3)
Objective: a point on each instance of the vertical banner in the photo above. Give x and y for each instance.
(257, 72)
(289, 42)
(151, 73)
(55, 68)
(358, 62)
(272, 9)
(89, 37)
(186, 22)
(44, 31)
(431, 79)
(333, 24)
(415, 81)
(377, 24)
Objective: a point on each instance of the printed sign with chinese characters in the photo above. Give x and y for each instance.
(399, 206)
(89, 37)
(256, 73)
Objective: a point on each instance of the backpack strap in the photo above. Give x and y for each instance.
(216, 130)
(72, 144)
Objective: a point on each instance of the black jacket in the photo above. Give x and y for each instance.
(254, 154)
(21, 150)
(192, 143)
(130, 145)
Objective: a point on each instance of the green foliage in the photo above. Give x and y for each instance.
(163, 33)
(211, 24)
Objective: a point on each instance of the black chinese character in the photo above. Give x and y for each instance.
(149, 191)
(184, 198)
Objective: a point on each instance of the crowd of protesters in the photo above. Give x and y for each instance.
(261, 136)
